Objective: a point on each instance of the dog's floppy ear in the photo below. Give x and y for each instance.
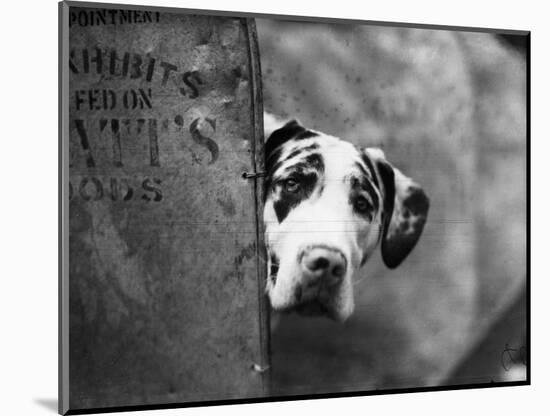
(279, 136)
(405, 210)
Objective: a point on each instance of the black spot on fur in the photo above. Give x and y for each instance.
(272, 160)
(416, 202)
(388, 180)
(398, 242)
(363, 183)
(273, 148)
(287, 200)
(306, 135)
(360, 167)
(368, 214)
(296, 152)
(274, 268)
(311, 162)
(370, 166)
(271, 164)
(282, 135)
(315, 161)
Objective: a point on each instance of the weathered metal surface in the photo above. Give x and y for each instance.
(448, 109)
(165, 305)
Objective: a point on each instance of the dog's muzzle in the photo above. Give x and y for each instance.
(323, 269)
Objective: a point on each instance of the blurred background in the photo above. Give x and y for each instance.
(449, 110)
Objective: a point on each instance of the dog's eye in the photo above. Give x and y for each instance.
(291, 185)
(362, 205)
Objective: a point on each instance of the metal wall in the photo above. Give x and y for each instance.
(164, 269)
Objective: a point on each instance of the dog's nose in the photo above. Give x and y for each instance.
(324, 263)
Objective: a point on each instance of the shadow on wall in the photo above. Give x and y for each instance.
(448, 108)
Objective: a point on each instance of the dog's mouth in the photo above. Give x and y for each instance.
(316, 290)
(273, 269)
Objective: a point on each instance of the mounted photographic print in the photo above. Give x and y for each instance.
(262, 208)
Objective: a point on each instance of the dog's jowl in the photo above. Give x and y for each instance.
(328, 204)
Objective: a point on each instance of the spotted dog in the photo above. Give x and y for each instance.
(328, 204)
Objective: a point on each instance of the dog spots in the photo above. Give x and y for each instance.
(370, 167)
(416, 202)
(405, 220)
(315, 161)
(363, 189)
(301, 150)
(282, 135)
(361, 206)
(301, 165)
(304, 174)
(273, 268)
(293, 154)
(276, 144)
(413, 212)
(309, 163)
(286, 201)
(273, 158)
(273, 273)
(272, 164)
(308, 134)
(361, 168)
(388, 180)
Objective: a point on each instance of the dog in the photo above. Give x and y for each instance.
(328, 205)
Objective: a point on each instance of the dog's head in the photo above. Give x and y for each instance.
(327, 206)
